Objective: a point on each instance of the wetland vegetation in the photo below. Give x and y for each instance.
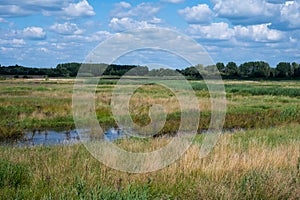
(261, 161)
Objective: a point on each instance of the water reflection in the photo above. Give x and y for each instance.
(51, 138)
(44, 138)
(114, 134)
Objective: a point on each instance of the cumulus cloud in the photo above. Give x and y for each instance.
(214, 31)
(66, 8)
(66, 29)
(16, 8)
(125, 16)
(246, 12)
(281, 13)
(13, 11)
(80, 9)
(290, 14)
(121, 24)
(141, 11)
(123, 4)
(13, 42)
(222, 31)
(258, 33)
(99, 36)
(197, 14)
(34, 33)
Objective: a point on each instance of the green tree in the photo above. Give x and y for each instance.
(283, 70)
(231, 69)
(295, 67)
(221, 67)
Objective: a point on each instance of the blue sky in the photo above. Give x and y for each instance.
(43, 33)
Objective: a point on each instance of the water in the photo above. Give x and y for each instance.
(52, 138)
(45, 138)
(114, 134)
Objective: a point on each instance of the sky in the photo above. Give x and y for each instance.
(43, 33)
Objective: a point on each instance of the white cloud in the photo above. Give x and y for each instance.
(197, 14)
(258, 33)
(214, 31)
(66, 29)
(290, 14)
(246, 12)
(66, 8)
(141, 11)
(98, 36)
(13, 11)
(80, 9)
(16, 8)
(155, 20)
(34, 33)
(173, 1)
(4, 49)
(222, 31)
(127, 23)
(13, 42)
(43, 49)
(123, 4)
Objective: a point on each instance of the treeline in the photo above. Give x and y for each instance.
(246, 70)
(71, 70)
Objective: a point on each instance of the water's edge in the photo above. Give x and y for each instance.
(52, 138)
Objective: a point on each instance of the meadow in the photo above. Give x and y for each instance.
(257, 157)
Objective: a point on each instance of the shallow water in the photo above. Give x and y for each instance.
(51, 138)
(45, 138)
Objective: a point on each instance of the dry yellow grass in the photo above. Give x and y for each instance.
(240, 166)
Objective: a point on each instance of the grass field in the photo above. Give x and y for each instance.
(260, 162)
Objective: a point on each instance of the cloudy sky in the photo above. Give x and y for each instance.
(47, 32)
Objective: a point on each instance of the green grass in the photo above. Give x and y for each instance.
(261, 162)
(38, 104)
(256, 164)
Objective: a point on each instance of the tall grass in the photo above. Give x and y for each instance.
(257, 164)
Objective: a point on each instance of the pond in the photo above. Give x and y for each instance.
(51, 138)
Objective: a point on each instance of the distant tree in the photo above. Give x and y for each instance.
(231, 69)
(272, 73)
(283, 70)
(221, 67)
(211, 70)
(163, 72)
(68, 69)
(138, 71)
(191, 72)
(295, 69)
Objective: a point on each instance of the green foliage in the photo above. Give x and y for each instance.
(252, 90)
(231, 69)
(284, 69)
(255, 69)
